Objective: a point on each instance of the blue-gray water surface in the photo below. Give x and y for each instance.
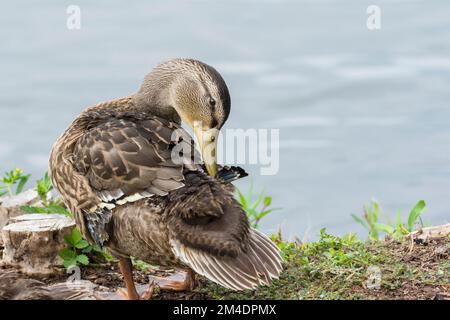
(362, 113)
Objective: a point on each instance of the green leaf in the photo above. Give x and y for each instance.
(81, 244)
(67, 254)
(360, 221)
(29, 209)
(83, 259)
(267, 201)
(97, 248)
(374, 233)
(258, 200)
(12, 176)
(53, 207)
(242, 199)
(372, 210)
(105, 255)
(69, 263)
(76, 236)
(375, 211)
(415, 213)
(68, 240)
(43, 187)
(384, 228)
(398, 219)
(22, 182)
(88, 249)
(252, 212)
(264, 213)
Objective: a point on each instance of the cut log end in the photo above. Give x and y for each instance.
(10, 206)
(32, 241)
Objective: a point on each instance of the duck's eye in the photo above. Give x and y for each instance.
(212, 102)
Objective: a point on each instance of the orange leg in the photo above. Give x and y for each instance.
(126, 268)
(180, 281)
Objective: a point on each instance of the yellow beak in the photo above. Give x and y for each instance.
(207, 139)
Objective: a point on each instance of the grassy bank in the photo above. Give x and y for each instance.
(348, 268)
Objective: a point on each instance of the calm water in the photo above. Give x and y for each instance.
(361, 113)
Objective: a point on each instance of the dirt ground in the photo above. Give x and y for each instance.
(424, 261)
(109, 278)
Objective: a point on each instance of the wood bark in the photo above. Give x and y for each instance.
(32, 241)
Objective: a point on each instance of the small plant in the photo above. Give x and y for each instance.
(43, 187)
(371, 217)
(79, 251)
(139, 264)
(251, 207)
(288, 249)
(49, 205)
(75, 253)
(11, 178)
(347, 251)
(53, 206)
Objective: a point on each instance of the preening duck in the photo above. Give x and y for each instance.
(131, 177)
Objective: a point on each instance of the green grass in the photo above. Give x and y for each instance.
(339, 268)
(347, 267)
(313, 270)
(371, 217)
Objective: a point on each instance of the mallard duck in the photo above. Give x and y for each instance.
(130, 175)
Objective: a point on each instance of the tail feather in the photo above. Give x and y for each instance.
(268, 250)
(236, 277)
(260, 264)
(261, 272)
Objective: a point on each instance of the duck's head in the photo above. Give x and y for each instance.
(198, 95)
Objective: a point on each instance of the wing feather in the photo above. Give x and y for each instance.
(260, 264)
(126, 158)
(130, 155)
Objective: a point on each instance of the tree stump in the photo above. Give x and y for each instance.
(32, 241)
(10, 206)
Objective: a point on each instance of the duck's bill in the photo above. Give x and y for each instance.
(212, 169)
(207, 139)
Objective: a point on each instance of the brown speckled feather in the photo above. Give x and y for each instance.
(205, 215)
(130, 155)
(107, 155)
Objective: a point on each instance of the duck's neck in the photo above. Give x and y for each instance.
(155, 95)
